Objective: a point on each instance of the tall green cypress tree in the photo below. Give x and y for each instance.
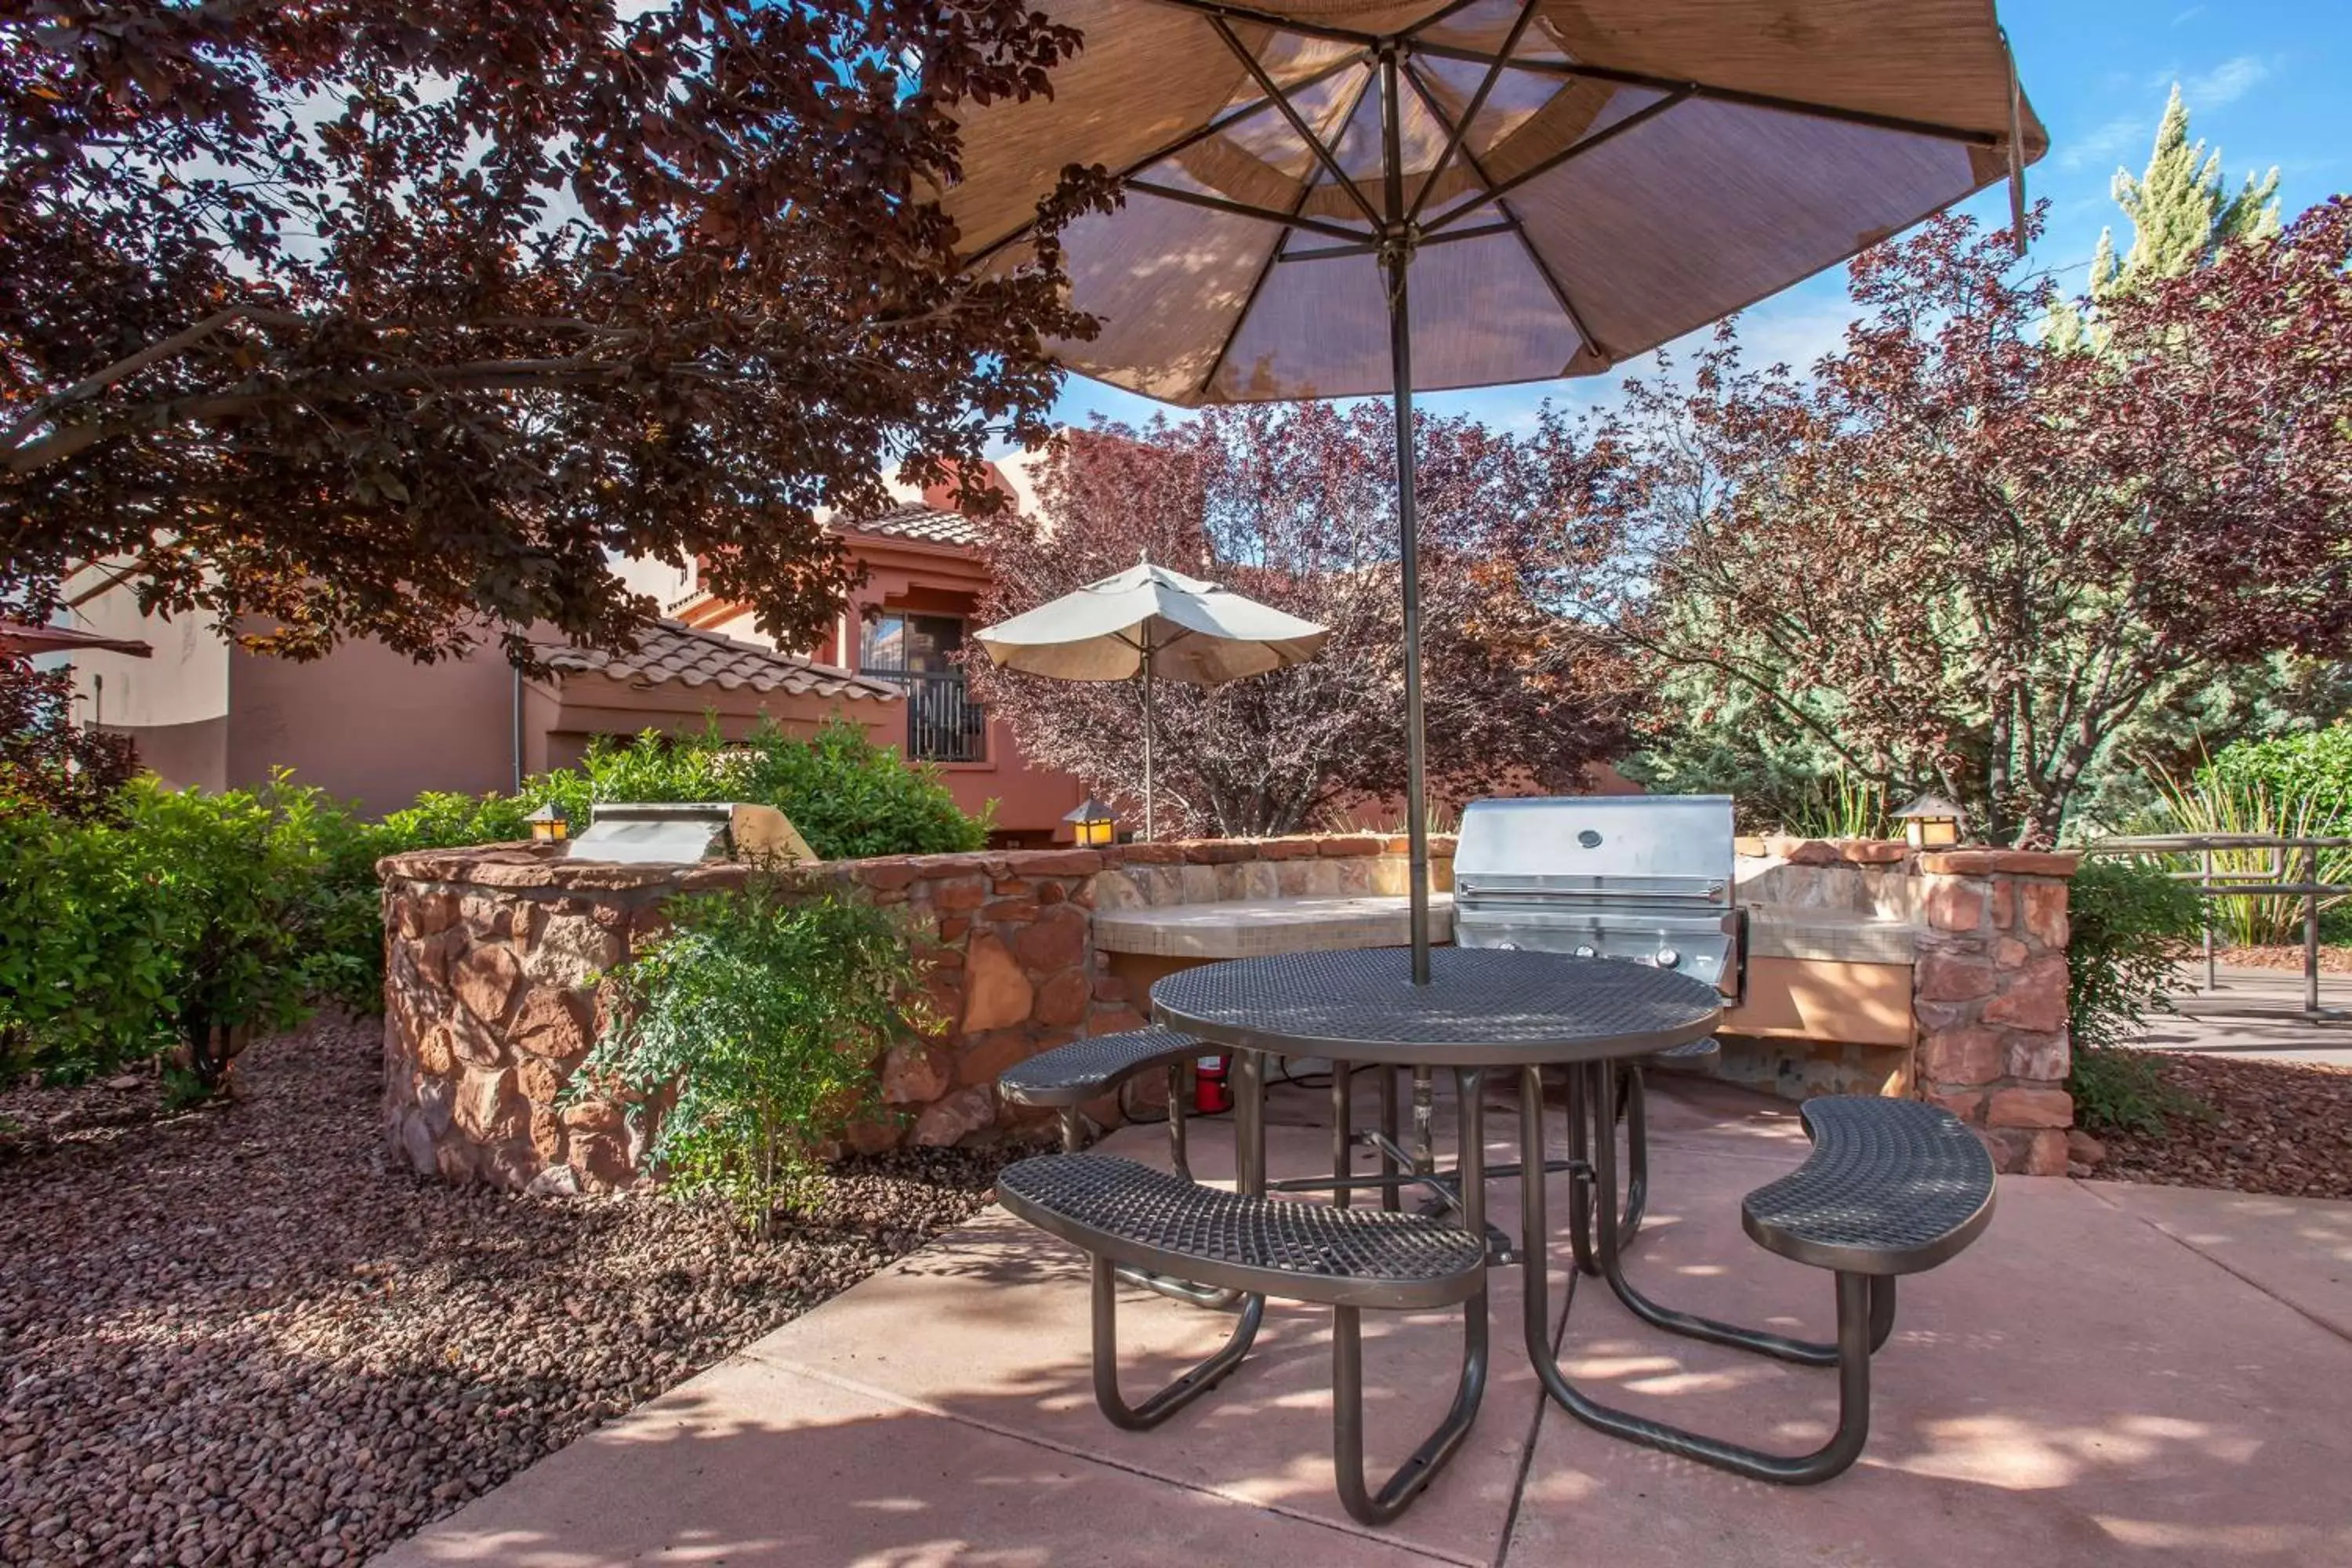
(2180, 216)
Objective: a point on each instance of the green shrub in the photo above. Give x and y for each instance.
(344, 913)
(848, 796)
(180, 918)
(2130, 923)
(2316, 767)
(2239, 792)
(2121, 1091)
(767, 1016)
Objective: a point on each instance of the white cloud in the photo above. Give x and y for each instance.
(2227, 82)
(2189, 15)
(2106, 144)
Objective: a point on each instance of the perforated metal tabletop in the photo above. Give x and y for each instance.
(1483, 1007)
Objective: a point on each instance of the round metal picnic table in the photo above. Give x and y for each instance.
(1483, 1009)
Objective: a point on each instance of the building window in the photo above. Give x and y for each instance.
(943, 724)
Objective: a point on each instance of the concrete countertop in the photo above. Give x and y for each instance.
(1255, 928)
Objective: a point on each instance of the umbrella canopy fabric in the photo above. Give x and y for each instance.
(1194, 632)
(1581, 180)
(1570, 183)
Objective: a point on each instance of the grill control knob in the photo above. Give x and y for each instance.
(1668, 958)
(1584, 949)
(1506, 947)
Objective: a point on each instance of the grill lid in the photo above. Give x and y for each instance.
(1652, 849)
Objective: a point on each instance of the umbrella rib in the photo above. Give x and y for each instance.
(1459, 132)
(1217, 9)
(1323, 155)
(1535, 257)
(1494, 193)
(1731, 95)
(1265, 268)
(1244, 209)
(1191, 139)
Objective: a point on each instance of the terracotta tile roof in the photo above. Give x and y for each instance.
(671, 652)
(926, 525)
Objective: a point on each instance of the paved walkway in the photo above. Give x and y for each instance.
(2114, 1374)
(2248, 1015)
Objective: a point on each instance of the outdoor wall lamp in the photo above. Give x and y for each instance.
(1931, 822)
(1092, 824)
(549, 825)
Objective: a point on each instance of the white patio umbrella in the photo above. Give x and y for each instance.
(1567, 184)
(1160, 625)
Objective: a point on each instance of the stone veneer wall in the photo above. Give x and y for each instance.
(1989, 981)
(1990, 991)
(490, 1007)
(488, 1002)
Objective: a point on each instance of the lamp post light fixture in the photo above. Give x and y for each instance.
(1931, 822)
(549, 825)
(1092, 824)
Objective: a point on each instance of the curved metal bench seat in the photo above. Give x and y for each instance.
(1893, 1186)
(1084, 1069)
(1296, 1251)
(1691, 1056)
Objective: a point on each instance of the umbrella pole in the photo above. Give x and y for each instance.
(1396, 258)
(1147, 825)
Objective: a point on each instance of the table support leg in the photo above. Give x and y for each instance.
(1343, 1132)
(1598, 1083)
(1396, 1494)
(1854, 1330)
(1390, 1200)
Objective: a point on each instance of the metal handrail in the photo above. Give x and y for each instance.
(2269, 880)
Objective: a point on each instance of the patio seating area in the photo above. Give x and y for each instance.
(2112, 1375)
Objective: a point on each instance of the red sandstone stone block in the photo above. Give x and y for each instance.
(1952, 1057)
(2035, 996)
(1057, 941)
(958, 895)
(1955, 903)
(1056, 862)
(1284, 849)
(1953, 978)
(1011, 912)
(1051, 893)
(2047, 1057)
(961, 1113)
(1062, 1001)
(1998, 862)
(552, 1023)
(728, 877)
(914, 1074)
(1872, 851)
(2045, 912)
(2030, 1108)
(2004, 904)
(1801, 851)
(1010, 887)
(954, 928)
(1109, 987)
(485, 981)
(1331, 848)
(884, 875)
(996, 993)
(1968, 1104)
(2009, 954)
(1152, 854)
(1113, 1019)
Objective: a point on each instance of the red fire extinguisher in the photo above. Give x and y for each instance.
(1211, 1090)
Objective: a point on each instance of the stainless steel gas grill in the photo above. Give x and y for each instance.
(1646, 878)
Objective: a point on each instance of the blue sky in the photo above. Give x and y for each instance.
(2264, 81)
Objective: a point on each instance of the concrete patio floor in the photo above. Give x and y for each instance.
(2113, 1373)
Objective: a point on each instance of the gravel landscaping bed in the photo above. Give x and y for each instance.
(2272, 1127)
(2332, 960)
(231, 1336)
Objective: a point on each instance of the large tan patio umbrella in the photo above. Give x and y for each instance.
(1160, 625)
(1565, 183)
